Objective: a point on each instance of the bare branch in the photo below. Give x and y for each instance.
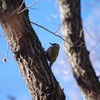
(28, 6)
(5, 57)
(19, 8)
(54, 33)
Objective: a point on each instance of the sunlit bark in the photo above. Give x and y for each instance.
(76, 49)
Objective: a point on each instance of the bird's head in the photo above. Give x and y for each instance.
(55, 44)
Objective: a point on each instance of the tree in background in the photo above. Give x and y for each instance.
(76, 49)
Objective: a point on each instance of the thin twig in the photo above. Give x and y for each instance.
(7, 50)
(58, 35)
(34, 8)
(28, 6)
(5, 57)
(54, 33)
(18, 8)
(58, 29)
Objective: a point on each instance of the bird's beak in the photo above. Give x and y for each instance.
(50, 43)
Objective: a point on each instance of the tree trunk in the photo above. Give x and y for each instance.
(76, 49)
(28, 52)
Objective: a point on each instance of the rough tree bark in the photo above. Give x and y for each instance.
(76, 49)
(28, 52)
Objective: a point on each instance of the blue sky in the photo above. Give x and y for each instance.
(46, 13)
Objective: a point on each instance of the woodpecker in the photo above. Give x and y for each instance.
(52, 53)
